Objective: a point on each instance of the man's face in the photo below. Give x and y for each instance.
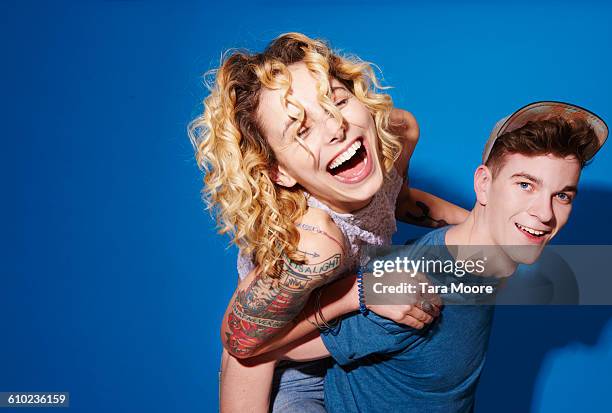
(529, 201)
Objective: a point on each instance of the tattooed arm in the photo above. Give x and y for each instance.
(414, 206)
(337, 299)
(421, 208)
(262, 306)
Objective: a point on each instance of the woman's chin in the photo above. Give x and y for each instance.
(357, 196)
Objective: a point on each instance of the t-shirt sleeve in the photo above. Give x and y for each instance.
(357, 336)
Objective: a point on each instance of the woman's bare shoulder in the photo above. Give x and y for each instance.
(319, 234)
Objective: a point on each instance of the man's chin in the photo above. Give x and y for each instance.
(524, 254)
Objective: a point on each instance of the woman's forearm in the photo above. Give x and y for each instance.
(424, 209)
(307, 350)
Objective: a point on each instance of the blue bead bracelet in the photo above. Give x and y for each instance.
(362, 306)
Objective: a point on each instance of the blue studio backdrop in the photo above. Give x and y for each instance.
(114, 282)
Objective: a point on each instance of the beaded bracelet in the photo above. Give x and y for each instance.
(362, 305)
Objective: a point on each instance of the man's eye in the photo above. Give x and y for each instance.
(563, 197)
(524, 186)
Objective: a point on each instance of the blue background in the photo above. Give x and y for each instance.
(113, 280)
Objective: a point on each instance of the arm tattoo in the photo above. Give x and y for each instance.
(313, 254)
(269, 304)
(314, 228)
(424, 219)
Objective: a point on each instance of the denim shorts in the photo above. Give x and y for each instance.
(298, 387)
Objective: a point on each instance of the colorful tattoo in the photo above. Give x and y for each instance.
(269, 304)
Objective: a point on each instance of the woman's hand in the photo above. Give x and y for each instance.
(422, 311)
(403, 123)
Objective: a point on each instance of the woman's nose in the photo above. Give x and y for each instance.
(336, 130)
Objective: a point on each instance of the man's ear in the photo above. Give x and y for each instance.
(281, 176)
(482, 184)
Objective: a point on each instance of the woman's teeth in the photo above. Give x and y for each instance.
(531, 230)
(346, 155)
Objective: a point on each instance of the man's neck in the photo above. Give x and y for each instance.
(475, 232)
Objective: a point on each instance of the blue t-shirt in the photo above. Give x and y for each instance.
(382, 366)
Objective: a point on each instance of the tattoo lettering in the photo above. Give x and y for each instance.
(324, 267)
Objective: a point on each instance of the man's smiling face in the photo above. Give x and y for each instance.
(529, 200)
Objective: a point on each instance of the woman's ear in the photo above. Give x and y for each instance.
(482, 184)
(281, 176)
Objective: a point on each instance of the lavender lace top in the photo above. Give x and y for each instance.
(372, 225)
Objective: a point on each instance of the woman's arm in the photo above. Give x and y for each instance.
(263, 307)
(303, 342)
(313, 349)
(248, 336)
(336, 299)
(424, 209)
(340, 298)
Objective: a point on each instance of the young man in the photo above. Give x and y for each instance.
(524, 193)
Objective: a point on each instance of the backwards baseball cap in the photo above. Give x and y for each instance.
(543, 111)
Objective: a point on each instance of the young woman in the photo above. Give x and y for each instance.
(305, 163)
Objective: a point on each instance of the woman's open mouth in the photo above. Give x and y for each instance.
(353, 165)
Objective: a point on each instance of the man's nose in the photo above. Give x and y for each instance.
(335, 129)
(541, 207)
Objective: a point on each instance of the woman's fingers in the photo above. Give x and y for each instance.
(420, 315)
(409, 315)
(433, 309)
(412, 322)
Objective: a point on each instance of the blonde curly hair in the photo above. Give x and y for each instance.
(259, 215)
